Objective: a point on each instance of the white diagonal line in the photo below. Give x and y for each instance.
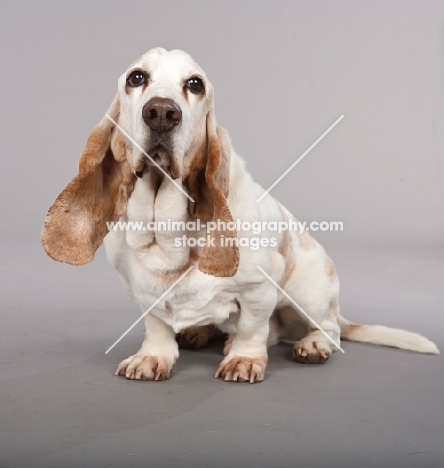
(148, 156)
(301, 309)
(300, 159)
(142, 316)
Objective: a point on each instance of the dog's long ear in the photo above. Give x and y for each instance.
(76, 223)
(209, 186)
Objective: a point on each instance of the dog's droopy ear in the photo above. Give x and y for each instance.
(77, 221)
(209, 187)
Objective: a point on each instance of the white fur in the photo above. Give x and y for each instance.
(243, 304)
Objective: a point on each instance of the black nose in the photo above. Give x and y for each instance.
(161, 114)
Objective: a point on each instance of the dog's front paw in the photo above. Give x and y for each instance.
(242, 369)
(311, 351)
(140, 367)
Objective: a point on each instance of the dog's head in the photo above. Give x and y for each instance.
(162, 115)
(165, 101)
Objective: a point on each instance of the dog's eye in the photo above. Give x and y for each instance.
(195, 85)
(136, 78)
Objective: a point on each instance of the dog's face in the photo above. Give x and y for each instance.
(163, 107)
(164, 100)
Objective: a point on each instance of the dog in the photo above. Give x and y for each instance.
(158, 156)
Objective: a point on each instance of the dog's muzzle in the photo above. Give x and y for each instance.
(161, 114)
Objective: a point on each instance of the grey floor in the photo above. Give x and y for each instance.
(61, 405)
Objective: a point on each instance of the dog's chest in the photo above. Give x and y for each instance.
(196, 300)
(150, 263)
(218, 311)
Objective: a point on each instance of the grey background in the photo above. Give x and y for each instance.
(283, 73)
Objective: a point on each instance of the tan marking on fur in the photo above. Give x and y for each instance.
(208, 181)
(206, 172)
(286, 250)
(306, 241)
(330, 267)
(185, 93)
(140, 165)
(347, 328)
(202, 208)
(217, 260)
(76, 222)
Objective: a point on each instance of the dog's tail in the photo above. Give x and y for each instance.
(386, 336)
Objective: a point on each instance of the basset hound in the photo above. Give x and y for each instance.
(158, 157)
